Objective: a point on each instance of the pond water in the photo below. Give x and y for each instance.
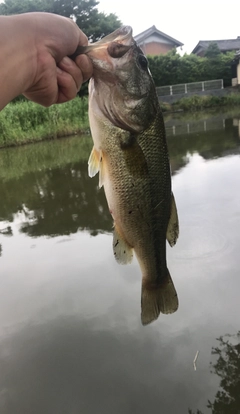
(71, 340)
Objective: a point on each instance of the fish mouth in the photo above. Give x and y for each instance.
(117, 43)
(123, 34)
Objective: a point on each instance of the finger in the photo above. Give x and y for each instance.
(67, 87)
(69, 66)
(85, 64)
(83, 40)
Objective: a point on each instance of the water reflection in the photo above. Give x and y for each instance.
(227, 367)
(236, 123)
(185, 124)
(55, 199)
(70, 316)
(7, 231)
(47, 186)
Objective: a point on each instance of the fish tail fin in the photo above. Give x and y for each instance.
(158, 298)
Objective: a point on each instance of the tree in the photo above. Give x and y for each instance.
(93, 23)
(172, 69)
(17, 7)
(212, 51)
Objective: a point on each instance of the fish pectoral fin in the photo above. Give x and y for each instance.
(95, 165)
(173, 225)
(158, 298)
(123, 253)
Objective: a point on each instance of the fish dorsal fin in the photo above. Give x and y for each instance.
(123, 253)
(95, 165)
(173, 226)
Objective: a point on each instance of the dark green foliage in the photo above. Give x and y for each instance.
(173, 69)
(212, 51)
(93, 23)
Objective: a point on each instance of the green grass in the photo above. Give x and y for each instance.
(197, 102)
(25, 121)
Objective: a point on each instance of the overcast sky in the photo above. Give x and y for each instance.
(186, 21)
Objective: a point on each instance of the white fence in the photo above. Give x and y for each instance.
(185, 88)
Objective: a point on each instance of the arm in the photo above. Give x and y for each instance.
(33, 58)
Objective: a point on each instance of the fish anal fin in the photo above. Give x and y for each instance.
(123, 253)
(158, 298)
(173, 225)
(95, 165)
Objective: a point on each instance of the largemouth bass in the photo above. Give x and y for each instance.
(130, 153)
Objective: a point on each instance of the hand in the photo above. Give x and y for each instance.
(33, 58)
(57, 78)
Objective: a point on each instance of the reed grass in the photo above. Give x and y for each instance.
(23, 122)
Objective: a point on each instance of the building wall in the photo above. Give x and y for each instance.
(156, 48)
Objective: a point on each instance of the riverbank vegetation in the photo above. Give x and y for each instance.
(25, 121)
(197, 102)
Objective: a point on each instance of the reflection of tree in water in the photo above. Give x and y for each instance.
(56, 201)
(66, 200)
(7, 231)
(227, 367)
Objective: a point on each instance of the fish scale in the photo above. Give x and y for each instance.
(130, 153)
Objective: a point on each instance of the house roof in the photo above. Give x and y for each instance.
(141, 37)
(224, 45)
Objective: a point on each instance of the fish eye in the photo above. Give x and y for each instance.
(143, 62)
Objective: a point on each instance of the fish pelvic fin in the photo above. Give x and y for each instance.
(123, 253)
(173, 225)
(158, 298)
(95, 165)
